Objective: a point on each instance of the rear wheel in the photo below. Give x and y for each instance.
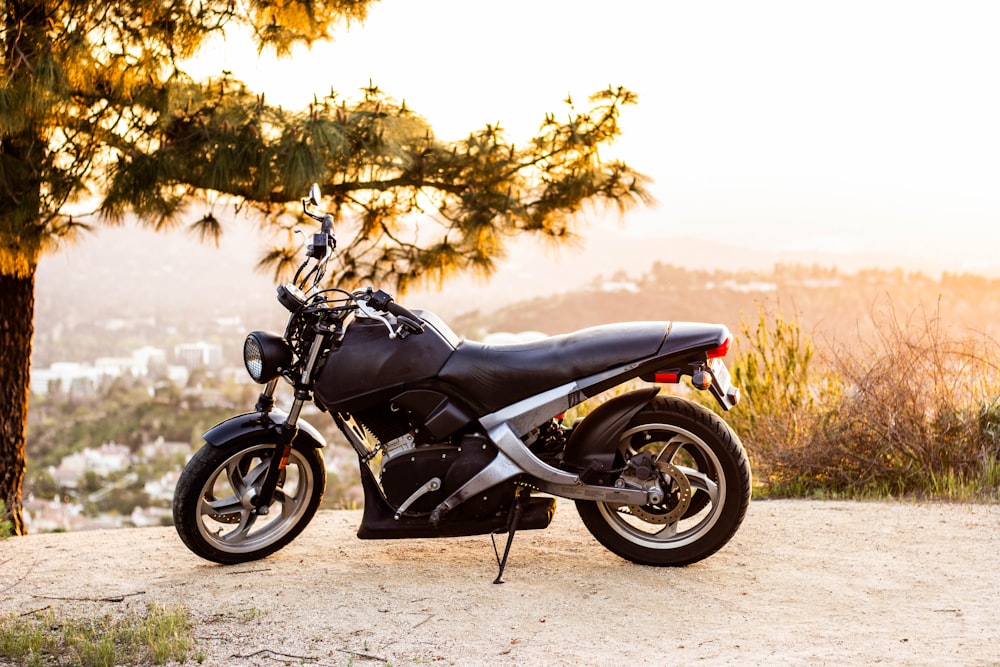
(705, 475)
(214, 511)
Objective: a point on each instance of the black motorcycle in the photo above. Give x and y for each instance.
(456, 437)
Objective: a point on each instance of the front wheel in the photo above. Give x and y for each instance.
(214, 511)
(704, 473)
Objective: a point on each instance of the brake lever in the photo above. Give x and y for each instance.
(371, 312)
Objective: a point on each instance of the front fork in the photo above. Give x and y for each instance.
(288, 429)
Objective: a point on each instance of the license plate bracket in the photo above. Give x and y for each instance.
(722, 385)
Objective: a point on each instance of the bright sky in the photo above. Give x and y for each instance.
(848, 126)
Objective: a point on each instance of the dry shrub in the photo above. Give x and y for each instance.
(915, 411)
(919, 414)
(785, 394)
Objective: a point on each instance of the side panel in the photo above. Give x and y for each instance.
(594, 443)
(436, 413)
(253, 423)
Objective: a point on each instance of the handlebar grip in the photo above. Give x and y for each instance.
(381, 300)
(407, 318)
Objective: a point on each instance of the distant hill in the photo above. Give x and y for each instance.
(178, 282)
(828, 303)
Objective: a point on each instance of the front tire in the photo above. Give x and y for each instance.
(214, 512)
(705, 474)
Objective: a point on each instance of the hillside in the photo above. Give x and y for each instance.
(126, 287)
(829, 304)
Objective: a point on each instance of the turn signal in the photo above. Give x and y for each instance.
(701, 379)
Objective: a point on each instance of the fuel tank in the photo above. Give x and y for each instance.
(369, 367)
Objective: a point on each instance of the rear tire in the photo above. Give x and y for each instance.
(213, 509)
(705, 474)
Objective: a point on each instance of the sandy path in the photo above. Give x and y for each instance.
(802, 583)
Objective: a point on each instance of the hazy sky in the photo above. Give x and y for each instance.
(845, 126)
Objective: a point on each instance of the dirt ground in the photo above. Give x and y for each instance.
(802, 583)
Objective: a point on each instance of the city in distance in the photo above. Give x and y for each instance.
(124, 290)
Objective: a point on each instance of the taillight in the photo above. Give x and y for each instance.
(722, 350)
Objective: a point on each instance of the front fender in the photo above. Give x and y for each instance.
(253, 423)
(594, 442)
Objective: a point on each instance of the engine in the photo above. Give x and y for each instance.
(409, 463)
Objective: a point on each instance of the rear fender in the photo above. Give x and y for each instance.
(255, 423)
(594, 442)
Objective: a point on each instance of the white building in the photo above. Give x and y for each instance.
(162, 488)
(82, 378)
(66, 377)
(199, 355)
(104, 460)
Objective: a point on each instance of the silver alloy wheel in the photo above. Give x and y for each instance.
(227, 518)
(672, 447)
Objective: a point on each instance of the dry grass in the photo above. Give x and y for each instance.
(6, 527)
(158, 636)
(914, 412)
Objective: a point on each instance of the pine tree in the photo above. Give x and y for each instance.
(100, 122)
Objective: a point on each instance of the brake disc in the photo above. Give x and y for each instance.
(678, 497)
(228, 517)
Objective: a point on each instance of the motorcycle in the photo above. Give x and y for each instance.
(456, 437)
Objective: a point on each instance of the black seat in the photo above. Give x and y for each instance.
(493, 376)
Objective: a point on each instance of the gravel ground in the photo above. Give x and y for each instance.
(802, 583)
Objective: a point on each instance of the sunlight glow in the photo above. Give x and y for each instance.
(860, 124)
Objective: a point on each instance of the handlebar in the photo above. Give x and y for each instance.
(320, 250)
(381, 300)
(395, 309)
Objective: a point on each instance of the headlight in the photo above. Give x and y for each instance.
(266, 356)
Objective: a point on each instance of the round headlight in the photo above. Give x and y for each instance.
(266, 355)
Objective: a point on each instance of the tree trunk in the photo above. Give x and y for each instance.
(17, 310)
(25, 46)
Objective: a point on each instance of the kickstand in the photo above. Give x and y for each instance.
(511, 529)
